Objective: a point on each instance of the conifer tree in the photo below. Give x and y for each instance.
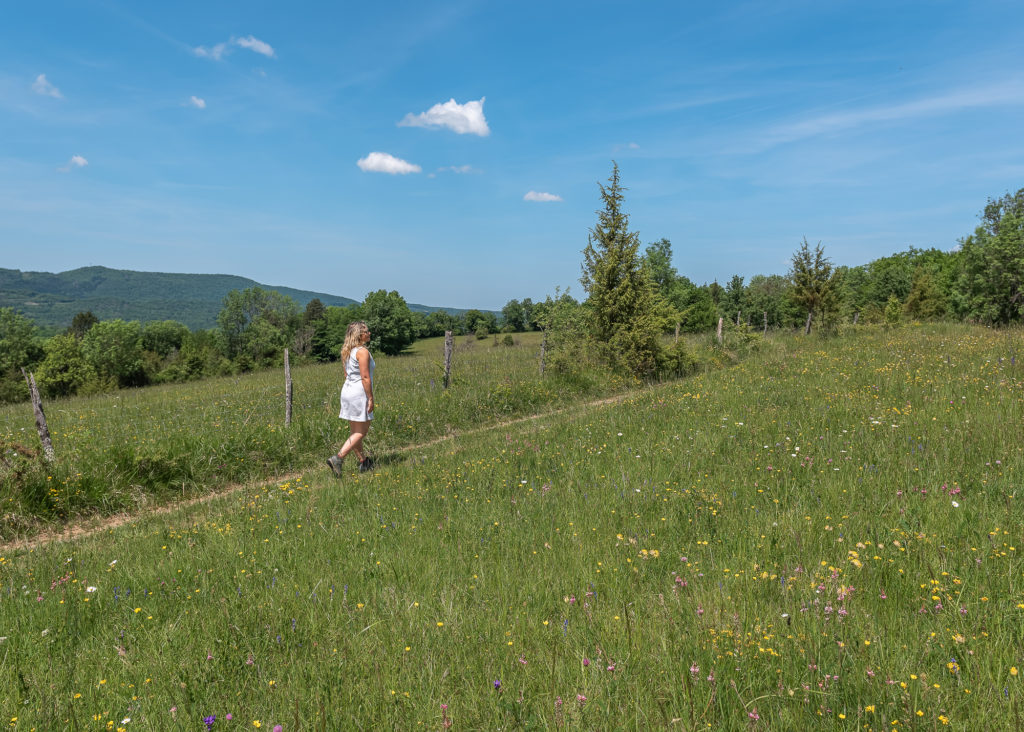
(621, 294)
(815, 282)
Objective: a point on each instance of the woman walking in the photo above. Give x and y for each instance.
(356, 396)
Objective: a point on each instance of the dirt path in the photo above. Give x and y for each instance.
(73, 532)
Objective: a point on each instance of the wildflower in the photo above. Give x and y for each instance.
(753, 714)
(1013, 670)
(694, 669)
(278, 728)
(90, 589)
(497, 684)
(208, 721)
(586, 661)
(581, 700)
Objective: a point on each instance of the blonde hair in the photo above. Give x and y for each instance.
(353, 338)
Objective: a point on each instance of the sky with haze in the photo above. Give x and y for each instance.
(452, 150)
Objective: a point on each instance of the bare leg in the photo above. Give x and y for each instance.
(354, 442)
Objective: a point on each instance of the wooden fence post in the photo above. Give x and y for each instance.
(37, 407)
(855, 316)
(677, 334)
(720, 331)
(738, 313)
(287, 390)
(543, 351)
(449, 345)
(807, 330)
(766, 322)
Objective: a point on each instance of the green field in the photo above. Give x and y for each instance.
(826, 534)
(137, 447)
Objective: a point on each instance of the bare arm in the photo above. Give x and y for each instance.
(363, 357)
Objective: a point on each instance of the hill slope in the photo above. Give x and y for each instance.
(52, 300)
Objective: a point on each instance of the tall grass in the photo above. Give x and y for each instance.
(119, 452)
(826, 535)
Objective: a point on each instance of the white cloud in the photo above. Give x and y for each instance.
(76, 161)
(216, 53)
(223, 49)
(378, 162)
(197, 102)
(44, 87)
(461, 118)
(542, 197)
(256, 45)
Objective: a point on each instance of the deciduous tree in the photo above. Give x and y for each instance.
(390, 321)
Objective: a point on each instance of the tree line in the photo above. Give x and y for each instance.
(632, 300)
(254, 326)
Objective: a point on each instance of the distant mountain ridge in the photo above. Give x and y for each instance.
(52, 300)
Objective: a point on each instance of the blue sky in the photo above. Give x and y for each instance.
(451, 151)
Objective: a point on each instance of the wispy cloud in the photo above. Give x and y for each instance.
(221, 50)
(76, 161)
(215, 52)
(461, 118)
(256, 45)
(42, 86)
(541, 197)
(379, 162)
(460, 169)
(1006, 93)
(197, 102)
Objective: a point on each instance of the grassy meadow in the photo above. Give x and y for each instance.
(138, 447)
(826, 534)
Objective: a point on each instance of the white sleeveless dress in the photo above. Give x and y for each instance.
(353, 395)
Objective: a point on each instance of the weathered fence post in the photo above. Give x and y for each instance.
(543, 351)
(720, 331)
(37, 407)
(738, 313)
(449, 345)
(677, 334)
(287, 390)
(855, 316)
(766, 322)
(807, 330)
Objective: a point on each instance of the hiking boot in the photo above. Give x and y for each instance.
(334, 463)
(366, 464)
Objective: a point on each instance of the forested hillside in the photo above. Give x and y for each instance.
(52, 300)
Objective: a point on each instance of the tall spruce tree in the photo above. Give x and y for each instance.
(621, 299)
(816, 284)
